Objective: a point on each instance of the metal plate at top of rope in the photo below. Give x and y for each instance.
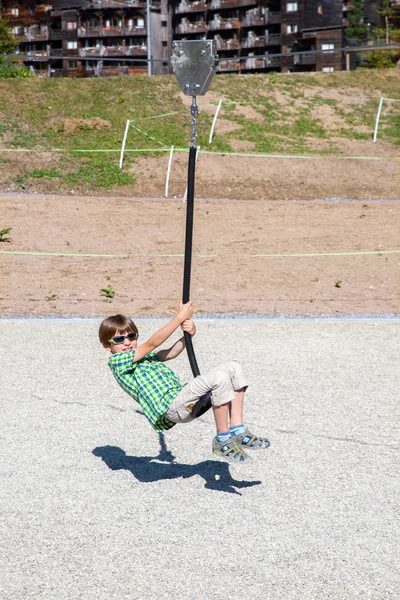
(194, 63)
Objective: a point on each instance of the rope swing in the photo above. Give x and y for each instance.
(194, 65)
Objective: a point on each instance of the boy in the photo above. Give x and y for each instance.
(141, 372)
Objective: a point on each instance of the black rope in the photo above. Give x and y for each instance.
(204, 403)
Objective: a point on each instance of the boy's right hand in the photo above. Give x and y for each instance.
(185, 311)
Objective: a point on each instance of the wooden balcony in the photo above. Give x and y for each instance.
(217, 4)
(63, 52)
(119, 4)
(224, 66)
(197, 27)
(90, 32)
(32, 36)
(223, 4)
(36, 56)
(272, 17)
(110, 51)
(190, 7)
(218, 24)
(253, 21)
(273, 39)
(231, 44)
(253, 63)
(55, 35)
(272, 61)
(304, 59)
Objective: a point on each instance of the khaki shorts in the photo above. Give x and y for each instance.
(222, 382)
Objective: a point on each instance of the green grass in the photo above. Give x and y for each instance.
(276, 114)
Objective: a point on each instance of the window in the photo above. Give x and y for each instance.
(71, 25)
(164, 23)
(72, 64)
(16, 30)
(291, 6)
(15, 12)
(140, 23)
(328, 47)
(328, 69)
(72, 45)
(320, 8)
(292, 29)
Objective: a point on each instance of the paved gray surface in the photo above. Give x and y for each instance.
(92, 508)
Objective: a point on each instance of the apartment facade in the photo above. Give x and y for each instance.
(80, 38)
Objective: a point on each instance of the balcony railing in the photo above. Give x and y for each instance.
(308, 34)
(273, 39)
(217, 4)
(253, 21)
(98, 4)
(37, 55)
(64, 52)
(55, 34)
(272, 61)
(231, 44)
(228, 65)
(101, 71)
(190, 7)
(196, 27)
(272, 17)
(222, 24)
(304, 59)
(56, 73)
(253, 63)
(37, 36)
(85, 32)
(110, 51)
(257, 42)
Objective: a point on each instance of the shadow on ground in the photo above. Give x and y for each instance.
(148, 469)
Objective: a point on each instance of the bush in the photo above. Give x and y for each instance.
(383, 59)
(10, 70)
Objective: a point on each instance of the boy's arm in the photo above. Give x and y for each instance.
(179, 346)
(158, 338)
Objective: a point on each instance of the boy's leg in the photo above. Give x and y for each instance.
(236, 408)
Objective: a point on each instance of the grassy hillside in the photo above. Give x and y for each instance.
(310, 113)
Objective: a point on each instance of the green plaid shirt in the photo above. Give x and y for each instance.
(150, 382)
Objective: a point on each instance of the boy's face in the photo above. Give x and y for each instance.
(116, 345)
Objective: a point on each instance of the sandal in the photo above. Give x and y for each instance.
(230, 451)
(251, 441)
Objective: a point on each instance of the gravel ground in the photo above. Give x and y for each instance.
(97, 506)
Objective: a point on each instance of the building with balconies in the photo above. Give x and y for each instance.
(105, 37)
(252, 35)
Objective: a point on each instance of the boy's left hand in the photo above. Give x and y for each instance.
(189, 326)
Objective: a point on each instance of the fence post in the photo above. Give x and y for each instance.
(214, 121)
(377, 119)
(121, 158)
(168, 171)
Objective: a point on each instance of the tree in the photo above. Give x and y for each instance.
(7, 41)
(387, 12)
(356, 28)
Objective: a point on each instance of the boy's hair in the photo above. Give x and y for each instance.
(110, 325)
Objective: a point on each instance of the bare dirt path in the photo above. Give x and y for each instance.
(142, 242)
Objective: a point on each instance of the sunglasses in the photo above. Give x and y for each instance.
(119, 339)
